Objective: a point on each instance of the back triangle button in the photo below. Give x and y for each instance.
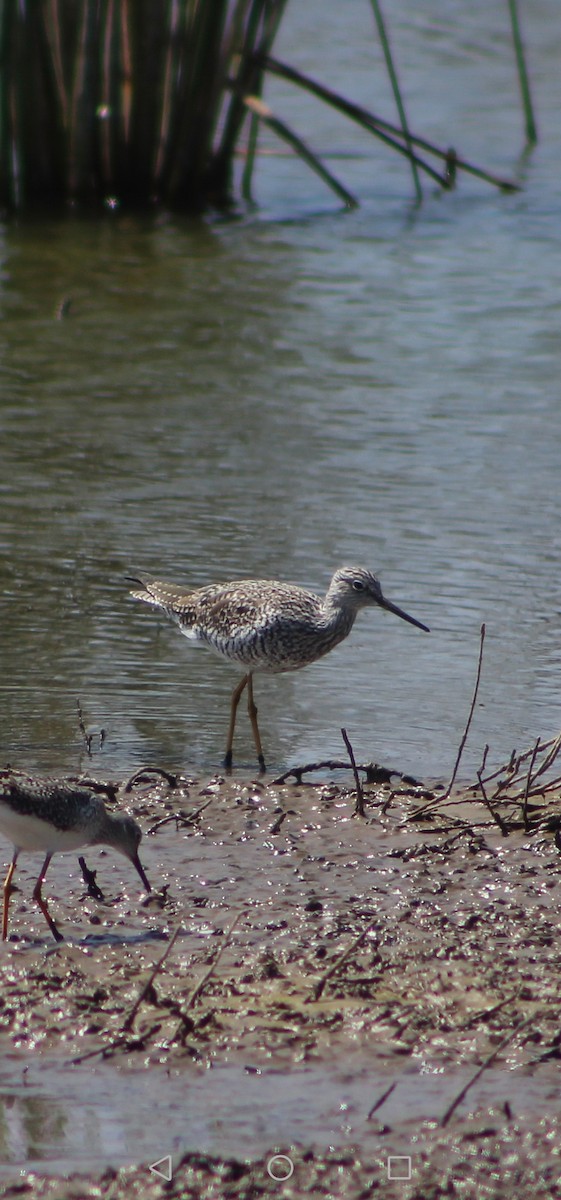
(163, 1168)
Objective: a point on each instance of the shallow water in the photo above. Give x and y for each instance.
(81, 1119)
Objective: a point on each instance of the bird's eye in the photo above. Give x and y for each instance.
(357, 585)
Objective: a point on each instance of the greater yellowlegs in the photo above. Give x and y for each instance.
(52, 815)
(268, 626)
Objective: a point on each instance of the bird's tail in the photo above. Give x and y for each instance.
(166, 596)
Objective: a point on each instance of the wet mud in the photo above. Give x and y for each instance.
(362, 995)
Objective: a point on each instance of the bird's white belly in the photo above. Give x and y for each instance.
(193, 636)
(248, 654)
(28, 832)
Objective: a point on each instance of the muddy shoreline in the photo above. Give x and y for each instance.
(365, 967)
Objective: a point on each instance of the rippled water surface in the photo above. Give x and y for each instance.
(276, 395)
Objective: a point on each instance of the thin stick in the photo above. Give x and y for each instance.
(319, 986)
(382, 1100)
(145, 771)
(484, 759)
(129, 1021)
(377, 126)
(527, 788)
(488, 1062)
(265, 114)
(512, 769)
(275, 828)
(531, 130)
(373, 771)
(251, 151)
(359, 806)
(183, 818)
(111, 1048)
(89, 878)
(208, 973)
(508, 776)
(495, 815)
(490, 1012)
(88, 737)
(549, 758)
(102, 1050)
(397, 95)
(437, 800)
(470, 717)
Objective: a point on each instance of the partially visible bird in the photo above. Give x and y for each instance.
(54, 815)
(265, 625)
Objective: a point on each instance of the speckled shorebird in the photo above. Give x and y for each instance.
(268, 626)
(52, 815)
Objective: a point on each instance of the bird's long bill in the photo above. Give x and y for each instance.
(393, 608)
(137, 863)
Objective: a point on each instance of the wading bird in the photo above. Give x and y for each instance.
(268, 626)
(55, 816)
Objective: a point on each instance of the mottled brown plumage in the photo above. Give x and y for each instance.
(265, 625)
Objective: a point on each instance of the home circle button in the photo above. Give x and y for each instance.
(280, 1167)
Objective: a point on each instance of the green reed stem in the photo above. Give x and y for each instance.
(301, 149)
(531, 130)
(384, 130)
(397, 94)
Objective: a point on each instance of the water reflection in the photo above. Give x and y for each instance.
(59, 1129)
(26, 1123)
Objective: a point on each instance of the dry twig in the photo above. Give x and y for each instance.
(339, 962)
(180, 817)
(381, 1100)
(437, 800)
(359, 806)
(275, 827)
(373, 772)
(193, 995)
(495, 815)
(484, 1014)
(488, 1062)
(129, 1021)
(527, 788)
(88, 737)
(89, 878)
(143, 772)
(470, 717)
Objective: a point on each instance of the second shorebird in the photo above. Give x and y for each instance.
(53, 815)
(265, 625)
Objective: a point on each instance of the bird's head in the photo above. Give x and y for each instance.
(353, 588)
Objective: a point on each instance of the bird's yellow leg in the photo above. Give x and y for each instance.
(233, 710)
(252, 710)
(43, 904)
(7, 893)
